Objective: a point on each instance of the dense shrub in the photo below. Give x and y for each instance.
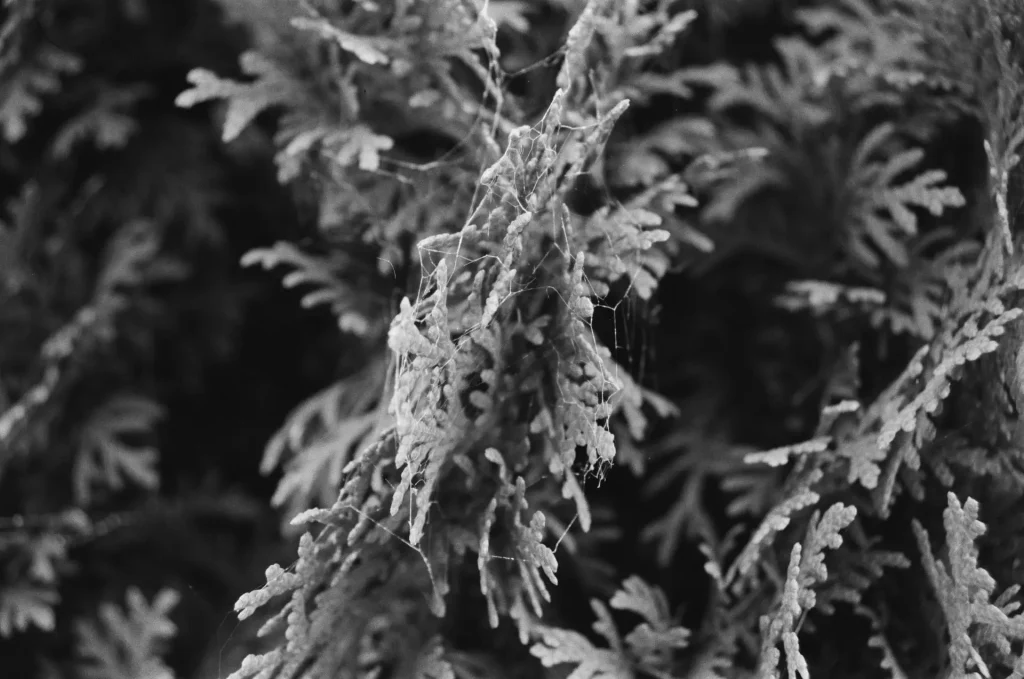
(617, 338)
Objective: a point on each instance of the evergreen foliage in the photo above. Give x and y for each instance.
(640, 353)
